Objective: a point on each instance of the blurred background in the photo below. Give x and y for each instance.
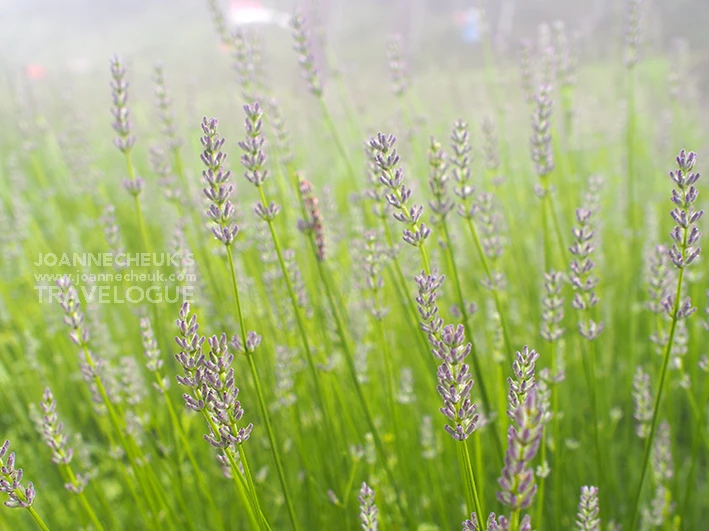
(55, 53)
(79, 35)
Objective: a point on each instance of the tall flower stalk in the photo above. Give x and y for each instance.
(254, 162)
(303, 47)
(552, 332)
(468, 210)
(209, 379)
(584, 282)
(454, 380)
(93, 372)
(683, 253)
(225, 230)
(18, 496)
(523, 437)
(125, 140)
(161, 384)
(57, 440)
(441, 205)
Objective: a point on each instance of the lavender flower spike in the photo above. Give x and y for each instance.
(587, 517)
(122, 124)
(541, 142)
(455, 382)
(523, 436)
(582, 279)
(221, 209)
(368, 511)
(11, 481)
(685, 234)
(392, 176)
(303, 47)
(495, 523)
(53, 430)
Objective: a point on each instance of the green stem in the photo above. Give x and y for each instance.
(495, 292)
(471, 484)
(658, 397)
(177, 427)
(37, 519)
(257, 383)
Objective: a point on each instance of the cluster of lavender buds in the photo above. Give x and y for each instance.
(406, 393)
(111, 231)
(397, 65)
(684, 196)
(373, 259)
(210, 379)
(244, 64)
(152, 352)
(495, 523)
(368, 511)
(455, 382)
(73, 316)
(11, 481)
(526, 69)
(132, 385)
(163, 104)
(287, 364)
(523, 436)
(313, 225)
(661, 506)
(566, 55)
(122, 125)
(303, 48)
(491, 150)
(296, 278)
(541, 141)
(254, 159)
(376, 190)
(166, 180)
(53, 430)
(660, 280)
(582, 279)
(488, 220)
(552, 307)
(662, 465)
(219, 21)
(441, 204)
(280, 132)
(392, 176)
(548, 55)
(431, 321)
(587, 518)
(221, 209)
(632, 31)
(643, 402)
(53, 434)
(91, 365)
(460, 147)
(430, 442)
(448, 344)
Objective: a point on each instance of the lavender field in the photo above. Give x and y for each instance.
(274, 283)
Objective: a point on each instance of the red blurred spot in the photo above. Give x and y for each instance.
(460, 18)
(33, 71)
